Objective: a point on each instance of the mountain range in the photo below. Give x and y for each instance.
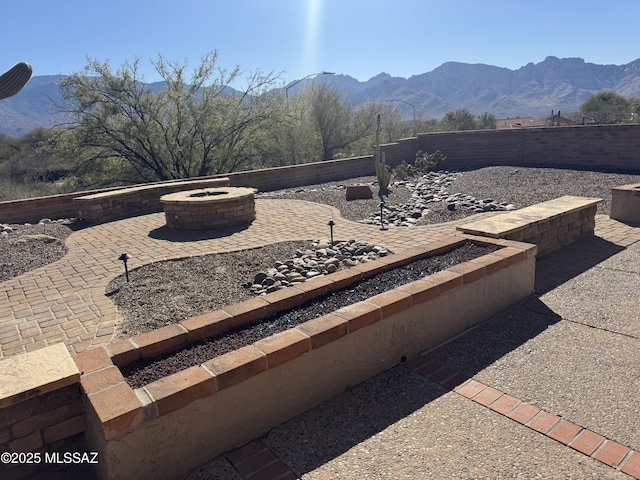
(533, 90)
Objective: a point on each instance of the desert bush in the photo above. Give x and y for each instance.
(404, 171)
(429, 162)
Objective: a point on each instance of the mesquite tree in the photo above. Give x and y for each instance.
(181, 127)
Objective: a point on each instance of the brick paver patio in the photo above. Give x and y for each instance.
(65, 301)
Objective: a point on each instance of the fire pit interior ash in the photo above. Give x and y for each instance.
(209, 209)
(207, 193)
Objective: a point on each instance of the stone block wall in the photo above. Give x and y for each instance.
(140, 200)
(600, 148)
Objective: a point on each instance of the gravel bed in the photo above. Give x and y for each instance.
(526, 186)
(190, 287)
(28, 247)
(143, 372)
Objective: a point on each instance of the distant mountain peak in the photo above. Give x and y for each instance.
(530, 91)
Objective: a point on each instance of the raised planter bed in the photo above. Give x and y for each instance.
(180, 421)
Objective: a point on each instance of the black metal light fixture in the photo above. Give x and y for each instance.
(331, 224)
(124, 257)
(381, 216)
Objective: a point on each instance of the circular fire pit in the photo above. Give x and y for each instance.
(209, 208)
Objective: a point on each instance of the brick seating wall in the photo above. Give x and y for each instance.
(129, 202)
(550, 225)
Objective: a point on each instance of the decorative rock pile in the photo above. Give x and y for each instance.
(428, 189)
(322, 258)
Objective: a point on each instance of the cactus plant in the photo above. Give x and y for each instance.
(12, 81)
(383, 174)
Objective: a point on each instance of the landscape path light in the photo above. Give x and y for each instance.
(331, 224)
(381, 216)
(124, 257)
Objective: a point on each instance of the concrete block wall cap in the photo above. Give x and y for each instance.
(446, 280)
(284, 346)
(409, 255)
(345, 277)
(175, 391)
(470, 271)
(123, 352)
(101, 379)
(207, 325)
(92, 360)
(371, 268)
(391, 302)
(161, 340)
(421, 290)
(34, 373)
(359, 315)
(480, 240)
(284, 299)
(324, 329)
(118, 409)
(248, 311)
(445, 244)
(236, 366)
(317, 286)
(629, 189)
(492, 263)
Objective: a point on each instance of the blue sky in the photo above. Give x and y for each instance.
(360, 38)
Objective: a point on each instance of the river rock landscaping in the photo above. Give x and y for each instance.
(432, 189)
(321, 258)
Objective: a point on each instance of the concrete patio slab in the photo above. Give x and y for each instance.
(398, 425)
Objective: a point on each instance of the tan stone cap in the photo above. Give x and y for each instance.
(219, 194)
(631, 189)
(34, 373)
(114, 192)
(500, 225)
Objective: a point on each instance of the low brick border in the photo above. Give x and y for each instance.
(581, 439)
(113, 204)
(176, 336)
